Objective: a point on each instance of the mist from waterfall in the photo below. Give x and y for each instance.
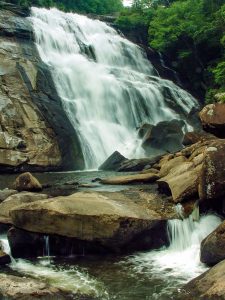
(107, 86)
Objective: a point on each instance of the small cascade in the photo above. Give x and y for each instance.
(181, 260)
(5, 245)
(184, 233)
(46, 246)
(68, 278)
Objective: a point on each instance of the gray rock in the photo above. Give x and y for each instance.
(113, 163)
(165, 137)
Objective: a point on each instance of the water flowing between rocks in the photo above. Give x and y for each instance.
(149, 275)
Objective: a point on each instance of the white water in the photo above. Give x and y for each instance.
(169, 267)
(181, 259)
(107, 86)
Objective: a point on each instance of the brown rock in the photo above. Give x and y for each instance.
(191, 138)
(14, 287)
(181, 181)
(208, 286)
(213, 246)
(168, 163)
(27, 182)
(112, 220)
(212, 177)
(4, 194)
(213, 119)
(16, 200)
(130, 179)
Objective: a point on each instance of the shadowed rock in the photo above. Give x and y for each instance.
(213, 246)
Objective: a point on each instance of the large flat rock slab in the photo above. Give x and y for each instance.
(111, 219)
(131, 179)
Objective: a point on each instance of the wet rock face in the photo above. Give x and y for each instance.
(208, 286)
(213, 119)
(34, 131)
(213, 246)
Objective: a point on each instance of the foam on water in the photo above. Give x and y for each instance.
(70, 279)
(164, 270)
(179, 262)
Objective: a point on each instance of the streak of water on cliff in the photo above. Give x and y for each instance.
(107, 86)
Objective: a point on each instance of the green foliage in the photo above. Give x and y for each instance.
(190, 33)
(219, 73)
(83, 6)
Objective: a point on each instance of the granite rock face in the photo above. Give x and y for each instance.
(33, 127)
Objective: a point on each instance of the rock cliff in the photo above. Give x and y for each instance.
(35, 133)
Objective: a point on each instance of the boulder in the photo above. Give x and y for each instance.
(213, 119)
(16, 200)
(165, 137)
(182, 182)
(113, 162)
(131, 179)
(14, 287)
(169, 162)
(193, 137)
(213, 246)
(4, 194)
(208, 286)
(109, 221)
(27, 182)
(212, 177)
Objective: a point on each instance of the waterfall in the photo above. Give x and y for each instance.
(46, 246)
(107, 86)
(182, 258)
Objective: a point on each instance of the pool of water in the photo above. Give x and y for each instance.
(59, 178)
(151, 275)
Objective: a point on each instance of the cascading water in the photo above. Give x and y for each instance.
(182, 258)
(107, 86)
(148, 275)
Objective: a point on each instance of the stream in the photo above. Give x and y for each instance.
(151, 275)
